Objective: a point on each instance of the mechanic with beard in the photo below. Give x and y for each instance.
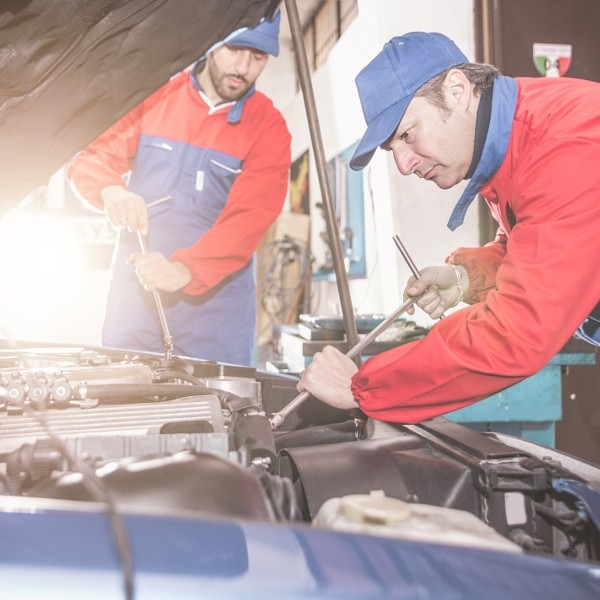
(531, 147)
(219, 151)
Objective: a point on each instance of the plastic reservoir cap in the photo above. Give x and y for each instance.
(375, 507)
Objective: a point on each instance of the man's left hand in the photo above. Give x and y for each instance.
(157, 273)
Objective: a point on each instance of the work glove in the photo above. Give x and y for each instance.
(442, 288)
(124, 208)
(157, 273)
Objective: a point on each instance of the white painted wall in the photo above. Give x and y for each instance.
(416, 210)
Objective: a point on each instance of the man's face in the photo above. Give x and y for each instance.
(232, 70)
(433, 144)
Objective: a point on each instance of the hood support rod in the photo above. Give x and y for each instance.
(333, 233)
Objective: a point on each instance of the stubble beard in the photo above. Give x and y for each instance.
(219, 81)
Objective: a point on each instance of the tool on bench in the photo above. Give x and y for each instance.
(278, 418)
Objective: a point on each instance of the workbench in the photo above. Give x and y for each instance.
(529, 409)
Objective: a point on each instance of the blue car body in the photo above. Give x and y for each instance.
(51, 551)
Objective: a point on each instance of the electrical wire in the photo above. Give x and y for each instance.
(281, 495)
(99, 490)
(286, 269)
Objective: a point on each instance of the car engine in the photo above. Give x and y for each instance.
(135, 430)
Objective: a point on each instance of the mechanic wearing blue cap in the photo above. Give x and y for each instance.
(531, 148)
(220, 151)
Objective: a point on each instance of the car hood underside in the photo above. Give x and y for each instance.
(70, 68)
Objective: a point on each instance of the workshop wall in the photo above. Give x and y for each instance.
(415, 210)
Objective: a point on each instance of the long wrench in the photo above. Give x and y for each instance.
(409, 261)
(167, 338)
(278, 418)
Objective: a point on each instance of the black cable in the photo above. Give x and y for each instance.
(99, 490)
(567, 517)
(280, 493)
(280, 287)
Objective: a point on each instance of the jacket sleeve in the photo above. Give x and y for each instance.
(106, 160)
(545, 286)
(254, 202)
(482, 265)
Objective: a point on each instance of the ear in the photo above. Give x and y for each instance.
(458, 89)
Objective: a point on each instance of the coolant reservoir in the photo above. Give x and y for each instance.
(377, 514)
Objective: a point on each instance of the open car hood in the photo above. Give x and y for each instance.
(70, 68)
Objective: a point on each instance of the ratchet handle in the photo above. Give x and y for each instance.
(167, 338)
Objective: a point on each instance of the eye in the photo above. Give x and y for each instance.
(406, 136)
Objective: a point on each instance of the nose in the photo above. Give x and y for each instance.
(406, 160)
(243, 59)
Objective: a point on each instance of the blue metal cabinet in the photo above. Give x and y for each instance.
(530, 408)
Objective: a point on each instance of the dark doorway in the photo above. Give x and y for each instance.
(506, 31)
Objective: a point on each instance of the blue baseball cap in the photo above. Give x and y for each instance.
(388, 83)
(263, 37)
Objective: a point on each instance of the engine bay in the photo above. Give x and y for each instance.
(90, 424)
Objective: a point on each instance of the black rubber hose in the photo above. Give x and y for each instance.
(146, 390)
(254, 433)
(162, 375)
(40, 457)
(346, 431)
(19, 460)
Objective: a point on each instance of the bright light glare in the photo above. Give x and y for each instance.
(41, 269)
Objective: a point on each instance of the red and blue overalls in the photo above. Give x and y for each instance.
(225, 169)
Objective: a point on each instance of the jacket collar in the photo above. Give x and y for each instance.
(235, 111)
(504, 102)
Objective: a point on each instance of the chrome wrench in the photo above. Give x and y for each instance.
(278, 418)
(167, 338)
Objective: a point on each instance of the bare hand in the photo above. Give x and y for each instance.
(439, 288)
(328, 378)
(124, 208)
(157, 273)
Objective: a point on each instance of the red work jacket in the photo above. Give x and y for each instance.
(531, 287)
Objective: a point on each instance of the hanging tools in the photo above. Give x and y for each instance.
(278, 418)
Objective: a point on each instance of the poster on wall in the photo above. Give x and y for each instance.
(299, 195)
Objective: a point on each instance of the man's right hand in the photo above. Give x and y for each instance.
(329, 377)
(124, 208)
